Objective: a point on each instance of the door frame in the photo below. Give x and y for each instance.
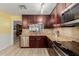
(12, 31)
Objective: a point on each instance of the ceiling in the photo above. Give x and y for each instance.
(30, 8)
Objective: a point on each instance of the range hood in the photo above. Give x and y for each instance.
(71, 23)
(71, 16)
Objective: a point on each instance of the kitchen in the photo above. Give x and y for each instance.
(52, 28)
(46, 34)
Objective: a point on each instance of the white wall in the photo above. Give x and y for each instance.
(5, 41)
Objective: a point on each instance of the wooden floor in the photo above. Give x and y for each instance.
(15, 50)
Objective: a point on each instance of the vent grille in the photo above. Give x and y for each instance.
(22, 7)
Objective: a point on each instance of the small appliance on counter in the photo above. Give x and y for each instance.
(36, 27)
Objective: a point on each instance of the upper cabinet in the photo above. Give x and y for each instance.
(63, 12)
(35, 19)
(60, 7)
(71, 16)
(68, 4)
(55, 15)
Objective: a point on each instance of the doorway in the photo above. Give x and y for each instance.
(17, 30)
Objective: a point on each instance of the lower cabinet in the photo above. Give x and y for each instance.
(37, 41)
(33, 41)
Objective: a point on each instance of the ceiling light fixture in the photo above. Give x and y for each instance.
(42, 7)
(42, 4)
(22, 7)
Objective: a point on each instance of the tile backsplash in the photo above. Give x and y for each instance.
(68, 33)
(65, 33)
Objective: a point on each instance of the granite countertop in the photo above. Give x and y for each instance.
(71, 45)
(26, 32)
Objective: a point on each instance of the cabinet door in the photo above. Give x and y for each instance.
(24, 41)
(41, 42)
(32, 42)
(37, 42)
(60, 7)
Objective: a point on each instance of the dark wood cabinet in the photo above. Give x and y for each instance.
(68, 4)
(36, 19)
(37, 41)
